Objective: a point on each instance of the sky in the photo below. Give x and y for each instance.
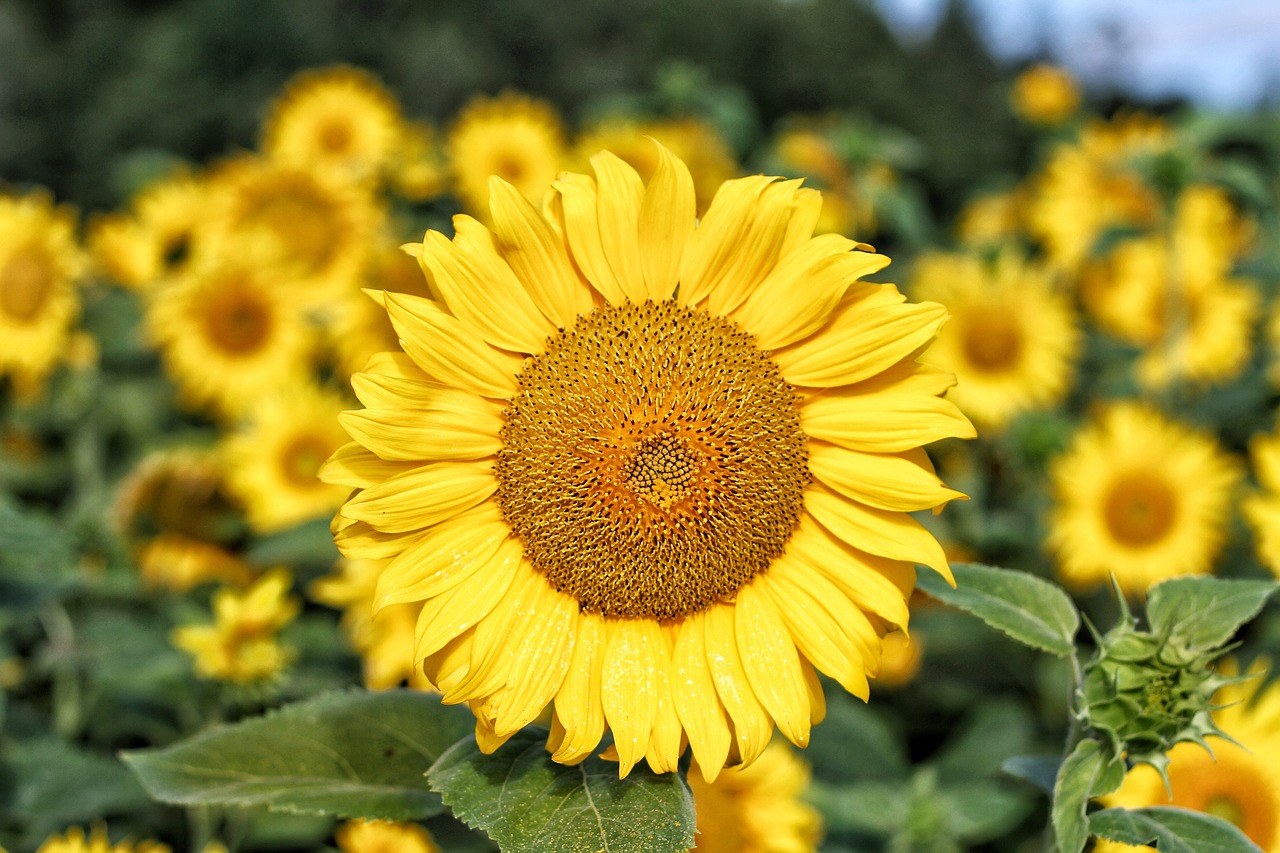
(1220, 53)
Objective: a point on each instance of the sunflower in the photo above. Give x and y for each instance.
(1238, 781)
(518, 138)
(156, 238)
(1012, 338)
(228, 333)
(418, 170)
(241, 645)
(383, 639)
(1091, 186)
(40, 263)
(1262, 508)
(1045, 94)
(991, 219)
(314, 227)
(338, 119)
(707, 156)
(273, 457)
(757, 809)
(74, 840)
(647, 472)
(1139, 496)
(175, 512)
(383, 836)
(1171, 294)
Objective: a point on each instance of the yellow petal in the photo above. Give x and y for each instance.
(442, 557)
(492, 651)
(877, 585)
(666, 740)
(380, 391)
(895, 535)
(817, 699)
(667, 217)
(752, 260)
(839, 649)
(620, 190)
(697, 703)
(752, 724)
(808, 210)
(482, 291)
(628, 689)
(892, 481)
(426, 495)
(547, 620)
(354, 465)
(537, 255)
(458, 425)
(397, 365)
(859, 343)
(579, 707)
(486, 738)
(771, 663)
(357, 540)
(579, 204)
(462, 605)
(717, 240)
(448, 665)
(449, 350)
(801, 292)
(893, 413)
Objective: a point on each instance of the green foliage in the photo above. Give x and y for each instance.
(1203, 612)
(529, 804)
(1028, 609)
(1171, 829)
(353, 754)
(1091, 770)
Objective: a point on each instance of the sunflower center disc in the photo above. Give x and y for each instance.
(25, 285)
(653, 461)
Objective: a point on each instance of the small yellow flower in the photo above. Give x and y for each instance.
(273, 456)
(1141, 497)
(900, 659)
(384, 836)
(1046, 94)
(240, 646)
(74, 840)
(757, 809)
(340, 120)
(40, 267)
(518, 138)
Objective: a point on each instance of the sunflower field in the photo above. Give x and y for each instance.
(626, 426)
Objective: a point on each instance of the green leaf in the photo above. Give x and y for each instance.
(988, 734)
(353, 754)
(875, 808)
(36, 557)
(527, 802)
(1029, 609)
(1171, 829)
(854, 728)
(1204, 612)
(983, 811)
(1089, 771)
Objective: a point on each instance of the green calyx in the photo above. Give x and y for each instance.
(1144, 693)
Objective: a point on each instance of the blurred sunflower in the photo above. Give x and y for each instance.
(1262, 508)
(228, 333)
(1091, 186)
(274, 455)
(383, 836)
(1139, 496)
(159, 234)
(518, 138)
(314, 227)
(418, 170)
(241, 645)
(1171, 295)
(1239, 781)
(757, 809)
(40, 265)
(1012, 338)
(672, 504)
(74, 840)
(991, 219)
(704, 152)
(339, 119)
(383, 639)
(175, 512)
(1045, 94)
